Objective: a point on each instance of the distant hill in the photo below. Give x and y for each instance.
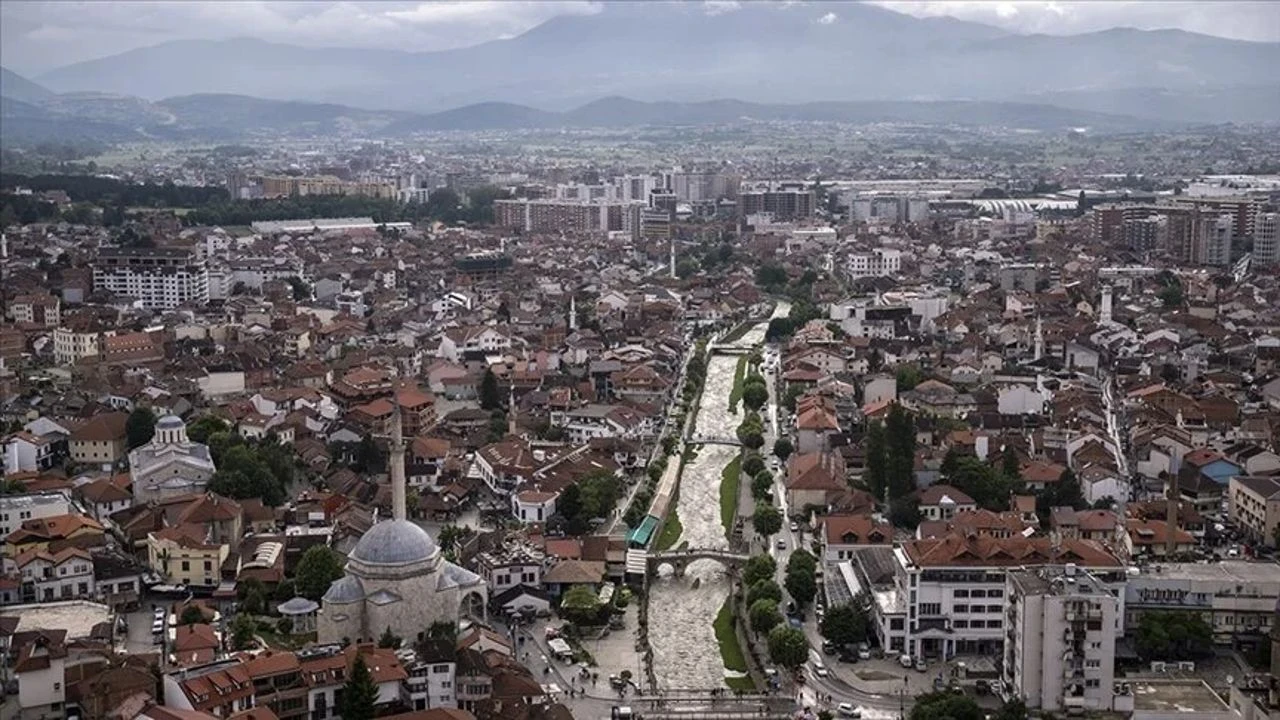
(625, 112)
(242, 114)
(793, 53)
(16, 87)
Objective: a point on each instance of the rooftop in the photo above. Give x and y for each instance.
(77, 617)
(1183, 697)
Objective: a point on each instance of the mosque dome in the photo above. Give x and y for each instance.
(347, 589)
(395, 542)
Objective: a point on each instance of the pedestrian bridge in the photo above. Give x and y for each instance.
(680, 559)
(713, 440)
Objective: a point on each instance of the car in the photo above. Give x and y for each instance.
(821, 670)
(864, 653)
(906, 661)
(828, 648)
(782, 543)
(794, 526)
(921, 665)
(848, 710)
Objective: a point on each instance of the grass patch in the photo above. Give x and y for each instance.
(671, 530)
(736, 334)
(735, 395)
(730, 477)
(730, 651)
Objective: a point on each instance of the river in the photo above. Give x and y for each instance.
(681, 632)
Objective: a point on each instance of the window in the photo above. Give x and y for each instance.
(895, 623)
(960, 624)
(439, 669)
(208, 565)
(1095, 646)
(960, 608)
(995, 593)
(960, 593)
(978, 624)
(186, 566)
(1093, 663)
(978, 593)
(930, 608)
(446, 685)
(1091, 682)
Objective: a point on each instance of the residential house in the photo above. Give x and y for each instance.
(842, 534)
(101, 441)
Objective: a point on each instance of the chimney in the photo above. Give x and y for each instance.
(1171, 516)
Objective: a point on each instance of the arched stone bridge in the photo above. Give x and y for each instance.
(680, 559)
(712, 440)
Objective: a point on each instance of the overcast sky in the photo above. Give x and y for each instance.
(36, 36)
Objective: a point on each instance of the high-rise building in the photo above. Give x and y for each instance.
(160, 278)
(702, 186)
(1059, 650)
(1213, 242)
(781, 204)
(1145, 234)
(1266, 239)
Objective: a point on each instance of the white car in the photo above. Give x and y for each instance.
(849, 710)
(795, 526)
(819, 669)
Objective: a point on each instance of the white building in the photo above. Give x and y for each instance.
(1062, 628)
(170, 464)
(158, 278)
(17, 509)
(1266, 239)
(880, 262)
(70, 346)
(64, 575)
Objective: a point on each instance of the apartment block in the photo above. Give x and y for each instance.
(1059, 651)
(159, 278)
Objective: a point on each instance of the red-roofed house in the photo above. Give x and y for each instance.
(842, 534)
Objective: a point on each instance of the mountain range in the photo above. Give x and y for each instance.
(658, 63)
(762, 52)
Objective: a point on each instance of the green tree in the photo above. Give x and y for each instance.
(787, 647)
(191, 615)
(388, 640)
(767, 519)
(757, 568)
(980, 481)
(443, 205)
(359, 694)
(242, 631)
(908, 377)
(877, 463)
(1173, 636)
(580, 605)
(752, 464)
(945, 706)
(204, 426)
(764, 615)
(451, 536)
(317, 570)
(764, 590)
(801, 578)
(761, 485)
(846, 624)
(140, 427)
(783, 448)
(754, 394)
(770, 276)
(490, 397)
(905, 512)
(1010, 467)
(900, 447)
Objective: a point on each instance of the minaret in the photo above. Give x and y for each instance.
(397, 461)
(511, 408)
(573, 313)
(673, 257)
(1039, 350)
(1105, 317)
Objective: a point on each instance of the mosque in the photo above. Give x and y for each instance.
(395, 576)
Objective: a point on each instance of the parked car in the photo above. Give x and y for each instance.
(782, 543)
(921, 665)
(828, 648)
(848, 710)
(906, 661)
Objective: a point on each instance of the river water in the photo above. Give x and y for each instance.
(681, 632)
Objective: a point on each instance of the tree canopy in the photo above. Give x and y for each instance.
(317, 570)
(767, 519)
(757, 568)
(787, 647)
(140, 427)
(764, 615)
(359, 694)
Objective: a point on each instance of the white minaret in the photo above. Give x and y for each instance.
(1104, 317)
(1039, 349)
(573, 313)
(673, 257)
(397, 462)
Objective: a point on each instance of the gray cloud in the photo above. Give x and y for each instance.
(38, 35)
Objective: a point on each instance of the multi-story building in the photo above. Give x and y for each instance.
(880, 262)
(693, 187)
(48, 576)
(44, 310)
(1213, 245)
(955, 586)
(17, 509)
(1266, 239)
(1059, 650)
(569, 216)
(1253, 504)
(1236, 596)
(159, 278)
(185, 556)
(511, 565)
(780, 203)
(1145, 234)
(71, 345)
